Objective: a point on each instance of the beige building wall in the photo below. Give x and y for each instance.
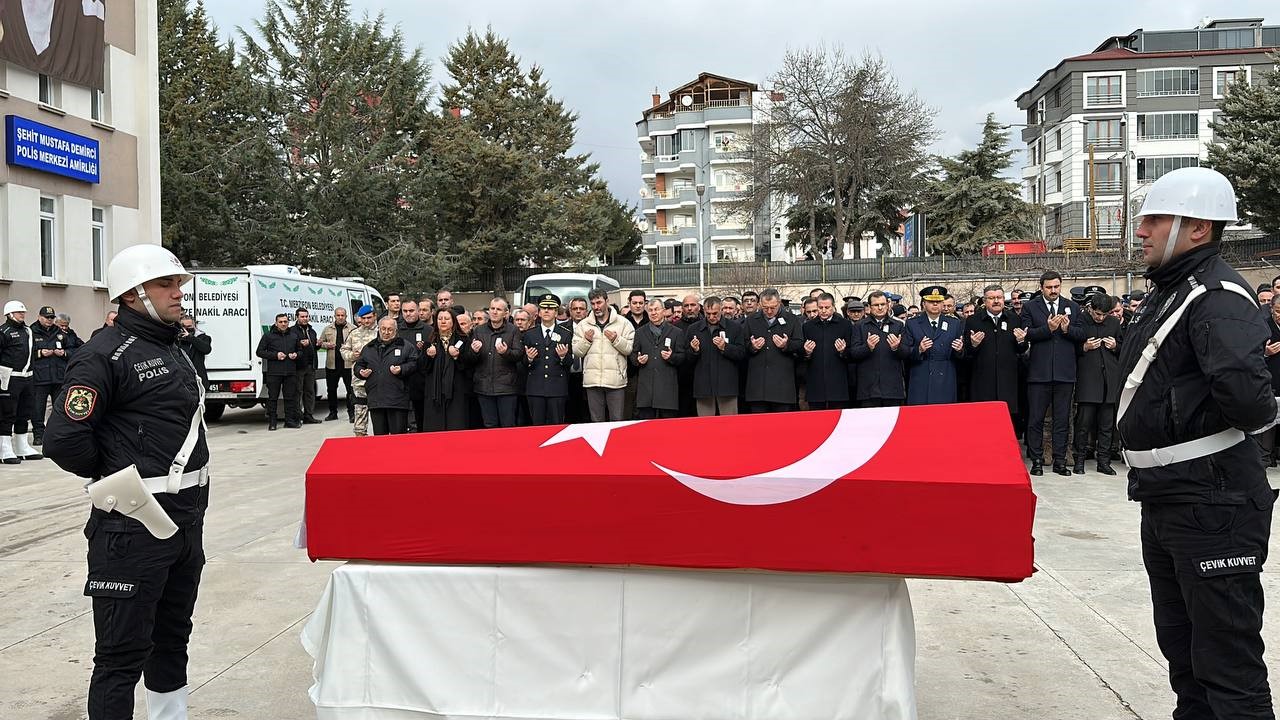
(128, 194)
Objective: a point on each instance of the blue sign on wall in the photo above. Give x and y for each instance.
(40, 147)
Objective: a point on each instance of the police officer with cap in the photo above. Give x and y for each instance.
(1196, 386)
(548, 356)
(17, 354)
(130, 420)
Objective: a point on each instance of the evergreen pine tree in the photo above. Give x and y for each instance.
(971, 204)
(1246, 146)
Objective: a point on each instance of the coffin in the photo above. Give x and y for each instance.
(881, 491)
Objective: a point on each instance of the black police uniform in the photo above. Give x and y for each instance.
(18, 353)
(48, 372)
(1206, 521)
(129, 397)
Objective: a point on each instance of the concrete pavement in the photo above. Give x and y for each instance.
(1075, 641)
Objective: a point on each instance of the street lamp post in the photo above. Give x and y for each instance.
(701, 189)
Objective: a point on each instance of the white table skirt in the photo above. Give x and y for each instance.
(401, 642)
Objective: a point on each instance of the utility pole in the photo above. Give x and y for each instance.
(701, 189)
(1126, 236)
(1093, 204)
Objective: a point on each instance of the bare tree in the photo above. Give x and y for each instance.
(844, 136)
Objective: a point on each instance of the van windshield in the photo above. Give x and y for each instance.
(566, 290)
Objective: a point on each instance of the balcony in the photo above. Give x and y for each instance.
(1104, 144)
(1030, 171)
(666, 163)
(646, 168)
(1053, 157)
(674, 199)
(1102, 100)
(1107, 187)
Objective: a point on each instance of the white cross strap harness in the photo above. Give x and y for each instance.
(1192, 449)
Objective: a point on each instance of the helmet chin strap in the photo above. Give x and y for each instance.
(151, 309)
(1168, 244)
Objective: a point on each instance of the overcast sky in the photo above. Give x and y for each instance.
(604, 59)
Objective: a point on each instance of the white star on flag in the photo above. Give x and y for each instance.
(596, 434)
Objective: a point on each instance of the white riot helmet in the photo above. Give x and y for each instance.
(14, 306)
(1191, 192)
(137, 264)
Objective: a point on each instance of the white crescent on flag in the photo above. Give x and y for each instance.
(856, 438)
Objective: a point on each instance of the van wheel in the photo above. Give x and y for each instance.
(213, 411)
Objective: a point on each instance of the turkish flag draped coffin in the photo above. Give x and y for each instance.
(885, 491)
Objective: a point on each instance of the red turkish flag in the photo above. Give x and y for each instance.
(866, 491)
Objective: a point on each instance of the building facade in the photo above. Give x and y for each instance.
(695, 162)
(81, 177)
(1102, 126)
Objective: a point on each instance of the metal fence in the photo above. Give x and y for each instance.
(1252, 251)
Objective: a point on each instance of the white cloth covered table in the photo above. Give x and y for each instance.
(401, 642)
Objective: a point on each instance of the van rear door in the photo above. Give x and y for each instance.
(219, 301)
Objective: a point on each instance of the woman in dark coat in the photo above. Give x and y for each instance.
(447, 384)
(385, 364)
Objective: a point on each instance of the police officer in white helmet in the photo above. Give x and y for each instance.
(129, 419)
(1196, 386)
(17, 393)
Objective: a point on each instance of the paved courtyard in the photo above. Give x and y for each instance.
(1074, 641)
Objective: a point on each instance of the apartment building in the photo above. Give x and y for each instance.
(695, 162)
(81, 178)
(1103, 125)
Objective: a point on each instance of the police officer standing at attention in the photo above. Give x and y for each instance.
(17, 354)
(548, 355)
(129, 419)
(1196, 385)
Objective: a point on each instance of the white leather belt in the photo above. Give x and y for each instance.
(156, 485)
(1182, 452)
(15, 373)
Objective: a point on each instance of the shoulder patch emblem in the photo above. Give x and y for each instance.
(80, 402)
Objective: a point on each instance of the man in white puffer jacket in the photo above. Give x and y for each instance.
(602, 340)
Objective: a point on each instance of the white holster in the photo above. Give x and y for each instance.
(124, 492)
(5, 374)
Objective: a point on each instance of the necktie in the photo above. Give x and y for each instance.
(546, 334)
(934, 323)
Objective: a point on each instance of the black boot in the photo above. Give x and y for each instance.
(1037, 467)
(1060, 467)
(271, 420)
(1079, 468)
(1104, 467)
(331, 416)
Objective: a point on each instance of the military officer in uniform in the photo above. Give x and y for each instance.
(549, 359)
(1196, 387)
(937, 339)
(130, 421)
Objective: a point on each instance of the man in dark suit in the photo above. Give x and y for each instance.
(548, 358)
(1054, 329)
(931, 377)
(880, 346)
(714, 349)
(996, 341)
(1098, 379)
(658, 351)
(827, 339)
(772, 345)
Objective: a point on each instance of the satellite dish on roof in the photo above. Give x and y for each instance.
(686, 100)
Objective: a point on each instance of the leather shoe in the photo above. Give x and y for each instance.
(271, 425)
(310, 420)
(1106, 469)
(331, 416)
(1079, 468)
(1037, 468)
(293, 425)
(1061, 469)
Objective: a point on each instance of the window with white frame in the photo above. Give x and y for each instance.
(1108, 220)
(1102, 133)
(48, 237)
(678, 253)
(1106, 176)
(1168, 126)
(726, 141)
(666, 145)
(730, 180)
(1055, 182)
(1104, 90)
(1150, 169)
(50, 91)
(98, 236)
(1223, 77)
(97, 105)
(688, 141)
(1168, 82)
